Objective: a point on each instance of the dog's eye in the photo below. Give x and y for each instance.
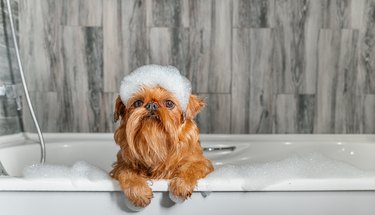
(169, 104)
(138, 103)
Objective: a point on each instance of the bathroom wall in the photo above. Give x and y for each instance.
(10, 118)
(264, 66)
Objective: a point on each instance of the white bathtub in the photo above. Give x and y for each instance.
(316, 195)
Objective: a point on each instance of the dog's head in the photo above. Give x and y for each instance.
(153, 122)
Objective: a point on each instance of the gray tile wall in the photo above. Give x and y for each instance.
(10, 118)
(264, 66)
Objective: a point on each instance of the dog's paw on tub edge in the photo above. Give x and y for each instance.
(176, 199)
(138, 197)
(131, 206)
(180, 189)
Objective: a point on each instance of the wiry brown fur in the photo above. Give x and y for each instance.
(163, 146)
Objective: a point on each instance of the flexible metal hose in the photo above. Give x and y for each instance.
(42, 144)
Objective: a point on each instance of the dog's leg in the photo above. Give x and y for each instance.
(187, 176)
(135, 188)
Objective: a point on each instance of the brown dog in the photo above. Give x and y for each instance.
(158, 140)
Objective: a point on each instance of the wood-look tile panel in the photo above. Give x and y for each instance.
(305, 113)
(9, 125)
(170, 46)
(200, 44)
(47, 108)
(368, 114)
(327, 81)
(210, 46)
(135, 35)
(219, 78)
(8, 107)
(343, 14)
(8, 64)
(253, 13)
(286, 118)
(262, 89)
(200, 14)
(125, 40)
(70, 12)
(366, 55)
(336, 81)
(345, 98)
(73, 57)
(75, 80)
(357, 10)
(93, 48)
(337, 14)
(107, 108)
(215, 117)
(170, 13)
(268, 66)
(297, 25)
(112, 39)
(240, 96)
(160, 46)
(294, 113)
(101, 108)
(91, 12)
(40, 35)
(82, 12)
(76, 112)
(82, 69)
(198, 62)
(311, 42)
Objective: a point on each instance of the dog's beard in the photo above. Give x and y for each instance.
(150, 136)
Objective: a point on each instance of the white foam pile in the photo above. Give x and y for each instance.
(248, 176)
(167, 77)
(295, 167)
(79, 170)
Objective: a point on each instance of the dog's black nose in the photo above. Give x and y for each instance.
(152, 106)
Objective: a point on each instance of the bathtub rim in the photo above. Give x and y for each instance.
(9, 183)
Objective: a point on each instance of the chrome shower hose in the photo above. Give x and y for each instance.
(42, 144)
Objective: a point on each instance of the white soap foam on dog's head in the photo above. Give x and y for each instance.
(167, 77)
(80, 170)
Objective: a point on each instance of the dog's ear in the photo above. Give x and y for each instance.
(195, 105)
(119, 109)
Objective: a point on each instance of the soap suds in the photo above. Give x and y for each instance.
(309, 166)
(252, 176)
(167, 77)
(80, 170)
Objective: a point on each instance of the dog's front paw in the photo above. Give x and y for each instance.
(139, 196)
(180, 189)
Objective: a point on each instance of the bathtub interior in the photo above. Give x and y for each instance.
(218, 196)
(100, 150)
